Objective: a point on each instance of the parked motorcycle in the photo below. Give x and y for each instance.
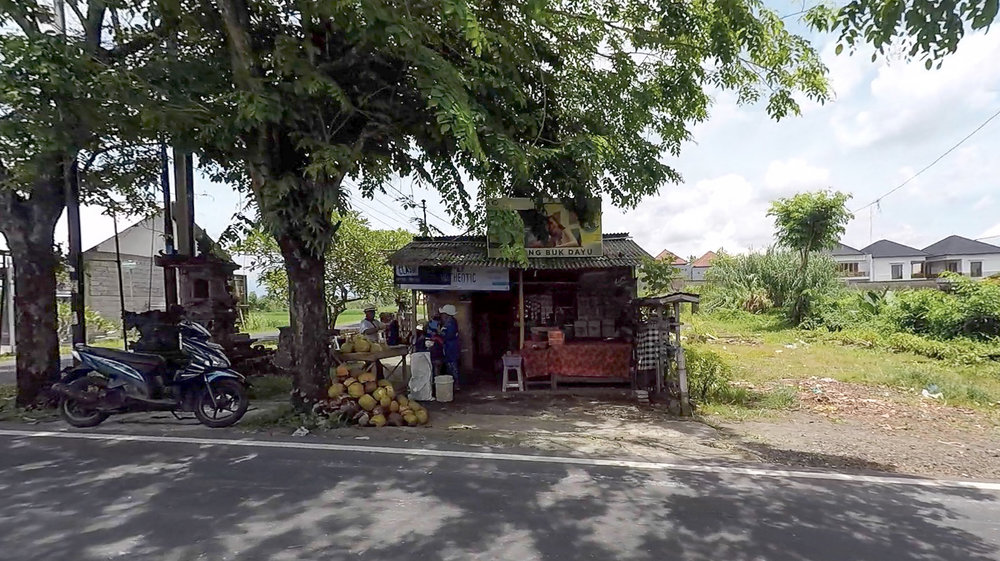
(198, 380)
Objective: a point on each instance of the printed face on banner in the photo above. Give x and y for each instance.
(553, 231)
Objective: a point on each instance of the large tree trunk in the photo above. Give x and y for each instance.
(36, 322)
(309, 326)
(28, 223)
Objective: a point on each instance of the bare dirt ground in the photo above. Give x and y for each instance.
(844, 425)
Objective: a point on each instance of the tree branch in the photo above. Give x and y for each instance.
(20, 15)
(76, 10)
(236, 18)
(93, 25)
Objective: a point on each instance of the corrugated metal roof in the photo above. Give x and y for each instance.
(470, 251)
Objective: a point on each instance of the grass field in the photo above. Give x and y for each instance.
(261, 322)
(761, 352)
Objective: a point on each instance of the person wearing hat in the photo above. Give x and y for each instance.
(371, 327)
(452, 345)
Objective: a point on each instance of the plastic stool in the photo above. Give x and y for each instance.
(512, 363)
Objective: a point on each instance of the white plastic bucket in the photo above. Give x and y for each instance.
(444, 388)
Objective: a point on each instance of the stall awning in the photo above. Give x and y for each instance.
(470, 251)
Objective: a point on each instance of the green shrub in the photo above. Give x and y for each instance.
(97, 325)
(709, 375)
(956, 351)
(710, 382)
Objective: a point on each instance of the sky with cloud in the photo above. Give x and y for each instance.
(889, 119)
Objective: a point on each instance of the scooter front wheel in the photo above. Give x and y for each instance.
(83, 414)
(228, 407)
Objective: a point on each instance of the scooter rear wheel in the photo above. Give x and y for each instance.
(230, 404)
(82, 415)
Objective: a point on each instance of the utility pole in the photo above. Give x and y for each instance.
(71, 192)
(424, 229)
(169, 273)
(184, 191)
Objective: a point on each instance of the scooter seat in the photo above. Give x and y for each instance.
(144, 362)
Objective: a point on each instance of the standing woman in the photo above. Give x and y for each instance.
(452, 345)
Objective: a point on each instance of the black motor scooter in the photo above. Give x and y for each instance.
(106, 381)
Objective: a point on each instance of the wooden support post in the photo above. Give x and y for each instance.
(11, 312)
(682, 376)
(413, 321)
(520, 306)
(184, 211)
(75, 268)
(169, 273)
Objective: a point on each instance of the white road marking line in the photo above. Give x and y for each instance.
(470, 455)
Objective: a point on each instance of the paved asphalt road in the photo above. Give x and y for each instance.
(74, 499)
(8, 370)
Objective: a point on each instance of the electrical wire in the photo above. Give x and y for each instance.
(930, 165)
(377, 215)
(414, 202)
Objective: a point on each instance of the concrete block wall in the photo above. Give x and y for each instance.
(143, 287)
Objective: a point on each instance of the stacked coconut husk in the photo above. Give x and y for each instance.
(358, 398)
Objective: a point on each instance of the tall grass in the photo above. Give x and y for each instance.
(760, 281)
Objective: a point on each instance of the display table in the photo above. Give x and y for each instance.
(597, 361)
(373, 361)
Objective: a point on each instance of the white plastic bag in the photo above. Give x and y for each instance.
(420, 387)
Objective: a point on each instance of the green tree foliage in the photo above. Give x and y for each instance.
(928, 29)
(357, 263)
(758, 282)
(808, 223)
(656, 278)
(539, 99)
(97, 325)
(72, 110)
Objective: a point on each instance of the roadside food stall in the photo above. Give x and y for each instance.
(568, 313)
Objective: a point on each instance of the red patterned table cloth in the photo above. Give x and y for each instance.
(579, 359)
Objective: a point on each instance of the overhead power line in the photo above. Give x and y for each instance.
(930, 165)
(413, 201)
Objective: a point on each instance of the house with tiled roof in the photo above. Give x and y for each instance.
(894, 261)
(968, 257)
(853, 264)
(701, 265)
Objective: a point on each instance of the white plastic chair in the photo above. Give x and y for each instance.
(512, 363)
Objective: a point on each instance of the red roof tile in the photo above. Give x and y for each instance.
(704, 260)
(675, 260)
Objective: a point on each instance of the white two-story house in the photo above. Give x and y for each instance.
(956, 254)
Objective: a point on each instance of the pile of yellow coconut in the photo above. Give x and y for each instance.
(358, 398)
(360, 344)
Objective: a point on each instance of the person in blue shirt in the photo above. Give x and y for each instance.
(437, 345)
(452, 344)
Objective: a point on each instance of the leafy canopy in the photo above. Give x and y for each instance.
(537, 98)
(810, 222)
(656, 277)
(928, 29)
(356, 263)
(79, 97)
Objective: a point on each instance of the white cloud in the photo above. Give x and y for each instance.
(727, 211)
(993, 232)
(910, 103)
(787, 177)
